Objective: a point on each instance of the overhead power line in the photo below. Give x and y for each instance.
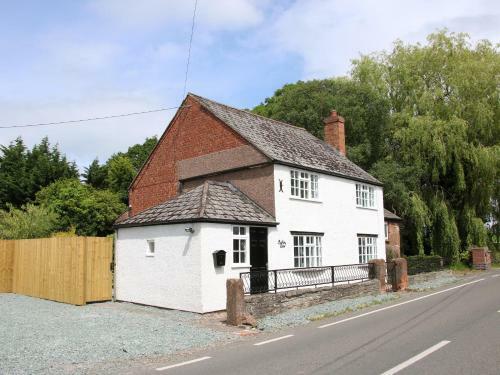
(89, 119)
(123, 114)
(190, 44)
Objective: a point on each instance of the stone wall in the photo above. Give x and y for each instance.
(423, 277)
(392, 242)
(260, 305)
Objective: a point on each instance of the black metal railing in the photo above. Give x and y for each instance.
(262, 281)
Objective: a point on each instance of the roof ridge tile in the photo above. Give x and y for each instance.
(289, 145)
(248, 112)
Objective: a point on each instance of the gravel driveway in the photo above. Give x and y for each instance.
(39, 336)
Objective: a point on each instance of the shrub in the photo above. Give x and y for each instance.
(424, 263)
(91, 212)
(30, 221)
(390, 253)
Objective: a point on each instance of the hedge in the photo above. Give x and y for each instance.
(424, 263)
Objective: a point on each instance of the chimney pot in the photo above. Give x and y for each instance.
(334, 132)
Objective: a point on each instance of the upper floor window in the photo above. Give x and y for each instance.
(304, 185)
(365, 196)
(240, 245)
(386, 231)
(307, 251)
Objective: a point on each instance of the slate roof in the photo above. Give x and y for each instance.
(210, 202)
(391, 215)
(285, 143)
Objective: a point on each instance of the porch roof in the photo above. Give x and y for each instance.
(213, 201)
(388, 215)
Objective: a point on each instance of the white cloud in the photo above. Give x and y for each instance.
(78, 54)
(122, 56)
(328, 34)
(152, 14)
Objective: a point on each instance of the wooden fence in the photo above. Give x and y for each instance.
(73, 270)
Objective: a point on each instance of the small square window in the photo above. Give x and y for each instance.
(150, 250)
(240, 249)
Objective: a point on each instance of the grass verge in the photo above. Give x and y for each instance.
(360, 306)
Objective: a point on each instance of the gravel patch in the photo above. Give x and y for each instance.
(39, 336)
(303, 316)
(433, 284)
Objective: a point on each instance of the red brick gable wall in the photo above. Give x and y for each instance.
(193, 132)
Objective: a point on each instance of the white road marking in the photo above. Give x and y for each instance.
(182, 363)
(398, 304)
(418, 357)
(272, 340)
(498, 274)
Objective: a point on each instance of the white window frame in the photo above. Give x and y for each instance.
(240, 240)
(304, 185)
(307, 250)
(150, 248)
(365, 196)
(367, 248)
(386, 230)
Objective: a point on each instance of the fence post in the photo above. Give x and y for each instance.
(400, 274)
(235, 302)
(275, 281)
(376, 270)
(333, 275)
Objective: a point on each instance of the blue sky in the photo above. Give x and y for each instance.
(64, 60)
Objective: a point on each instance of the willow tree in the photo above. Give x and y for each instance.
(306, 104)
(443, 137)
(424, 119)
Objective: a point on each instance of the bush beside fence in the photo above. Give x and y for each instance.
(424, 263)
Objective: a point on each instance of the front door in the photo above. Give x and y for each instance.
(259, 281)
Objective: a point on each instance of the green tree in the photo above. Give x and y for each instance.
(30, 221)
(14, 182)
(306, 104)
(121, 172)
(139, 153)
(425, 120)
(23, 172)
(96, 175)
(47, 165)
(90, 211)
(444, 128)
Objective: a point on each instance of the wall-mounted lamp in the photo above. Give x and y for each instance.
(189, 230)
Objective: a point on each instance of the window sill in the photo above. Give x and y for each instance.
(305, 200)
(367, 208)
(236, 266)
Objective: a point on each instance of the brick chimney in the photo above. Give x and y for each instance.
(334, 131)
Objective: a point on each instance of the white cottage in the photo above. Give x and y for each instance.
(267, 194)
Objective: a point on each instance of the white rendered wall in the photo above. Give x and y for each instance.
(182, 274)
(172, 278)
(335, 214)
(213, 279)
